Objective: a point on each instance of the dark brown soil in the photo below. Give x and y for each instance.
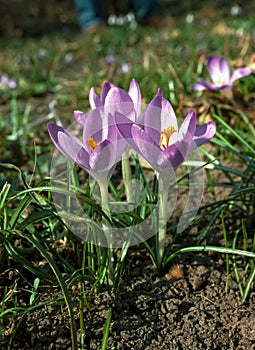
(150, 311)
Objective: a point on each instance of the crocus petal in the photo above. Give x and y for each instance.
(116, 96)
(138, 139)
(100, 176)
(118, 100)
(93, 127)
(151, 118)
(104, 91)
(80, 117)
(112, 133)
(94, 100)
(145, 146)
(135, 94)
(82, 159)
(181, 141)
(188, 127)
(115, 137)
(159, 115)
(166, 113)
(204, 85)
(240, 73)
(67, 144)
(200, 86)
(225, 70)
(168, 117)
(174, 155)
(124, 126)
(218, 69)
(203, 134)
(103, 157)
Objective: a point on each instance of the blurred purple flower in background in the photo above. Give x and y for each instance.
(219, 71)
(109, 59)
(7, 82)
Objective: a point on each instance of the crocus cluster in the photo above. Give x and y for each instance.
(116, 122)
(219, 71)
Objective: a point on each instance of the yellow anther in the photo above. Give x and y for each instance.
(165, 136)
(92, 143)
(220, 82)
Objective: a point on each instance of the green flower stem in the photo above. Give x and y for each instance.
(162, 223)
(104, 200)
(107, 230)
(126, 174)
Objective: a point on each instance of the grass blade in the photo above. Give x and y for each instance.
(106, 329)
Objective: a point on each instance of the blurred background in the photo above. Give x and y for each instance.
(22, 18)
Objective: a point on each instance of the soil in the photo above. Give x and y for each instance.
(189, 308)
(186, 308)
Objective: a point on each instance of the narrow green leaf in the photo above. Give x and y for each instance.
(106, 329)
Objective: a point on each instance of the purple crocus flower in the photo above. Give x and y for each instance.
(219, 71)
(159, 141)
(98, 152)
(115, 99)
(165, 147)
(102, 145)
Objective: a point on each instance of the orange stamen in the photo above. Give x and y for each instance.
(165, 136)
(92, 143)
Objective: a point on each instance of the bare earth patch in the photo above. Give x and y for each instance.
(149, 311)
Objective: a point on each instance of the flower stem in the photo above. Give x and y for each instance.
(126, 174)
(107, 230)
(162, 222)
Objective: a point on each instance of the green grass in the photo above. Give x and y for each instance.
(49, 89)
